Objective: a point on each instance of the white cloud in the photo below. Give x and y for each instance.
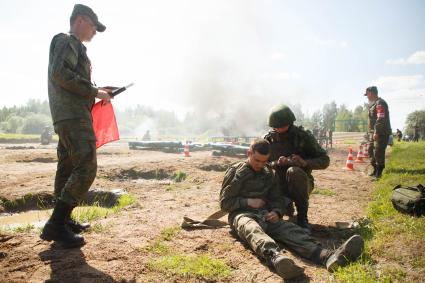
(331, 43)
(416, 58)
(278, 56)
(404, 94)
(395, 83)
(282, 76)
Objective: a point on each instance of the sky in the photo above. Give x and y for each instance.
(214, 55)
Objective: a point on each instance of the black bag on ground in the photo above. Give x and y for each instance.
(410, 200)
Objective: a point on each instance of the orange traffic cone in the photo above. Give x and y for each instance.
(349, 165)
(359, 157)
(186, 150)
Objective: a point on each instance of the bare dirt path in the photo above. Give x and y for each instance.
(118, 253)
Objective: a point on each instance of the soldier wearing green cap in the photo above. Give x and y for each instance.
(379, 129)
(71, 97)
(294, 154)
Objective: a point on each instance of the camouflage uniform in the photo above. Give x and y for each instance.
(297, 183)
(379, 124)
(71, 97)
(242, 182)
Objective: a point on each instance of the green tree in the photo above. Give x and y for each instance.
(34, 123)
(416, 118)
(330, 111)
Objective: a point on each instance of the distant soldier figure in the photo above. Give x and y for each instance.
(253, 199)
(416, 134)
(146, 136)
(71, 97)
(46, 136)
(294, 154)
(398, 135)
(379, 129)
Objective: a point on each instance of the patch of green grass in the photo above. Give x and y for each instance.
(324, 191)
(168, 233)
(391, 237)
(350, 142)
(191, 266)
(99, 228)
(24, 228)
(18, 136)
(179, 176)
(123, 201)
(157, 247)
(92, 213)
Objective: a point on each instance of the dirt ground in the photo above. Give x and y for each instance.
(117, 254)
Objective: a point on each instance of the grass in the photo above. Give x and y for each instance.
(197, 266)
(173, 263)
(18, 136)
(179, 176)
(350, 142)
(394, 242)
(324, 191)
(25, 228)
(167, 234)
(95, 212)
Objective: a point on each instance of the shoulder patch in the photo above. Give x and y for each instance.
(380, 111)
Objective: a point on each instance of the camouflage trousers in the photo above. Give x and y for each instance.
(77, 162)
(262, 235)
(377, 149)
(297, 186)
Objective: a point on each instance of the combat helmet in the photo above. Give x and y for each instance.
(281, 116)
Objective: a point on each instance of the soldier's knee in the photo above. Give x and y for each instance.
(296, 172)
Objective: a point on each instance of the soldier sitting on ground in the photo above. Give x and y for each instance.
(294, 154)
(251, 196)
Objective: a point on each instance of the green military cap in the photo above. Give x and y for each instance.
(80, 9)
(372, 89)
(281, 116)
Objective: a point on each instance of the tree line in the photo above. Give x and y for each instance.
(32, 117)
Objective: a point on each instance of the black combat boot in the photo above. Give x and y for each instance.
(74, 225)
(56, 230)
(346, 253)
(284, 266)
(379, 169)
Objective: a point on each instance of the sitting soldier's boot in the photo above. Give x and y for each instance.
(56, 230)
(74, 225)
(284, 266)
(346, 253)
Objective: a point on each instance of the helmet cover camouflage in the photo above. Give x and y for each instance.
(281, 116)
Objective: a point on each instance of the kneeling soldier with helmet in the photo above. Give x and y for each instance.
(251, 196)
(294, 154)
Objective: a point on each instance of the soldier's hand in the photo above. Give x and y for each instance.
(299, 161)
(375, 137)
(272, 217)
(284, 161)
(103, 94)
(255, 202)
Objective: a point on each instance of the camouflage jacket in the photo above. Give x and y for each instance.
(242, 182)
(71, 93)
(379, 118)
(300, 142)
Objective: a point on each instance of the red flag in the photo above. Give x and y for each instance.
(104, 123)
